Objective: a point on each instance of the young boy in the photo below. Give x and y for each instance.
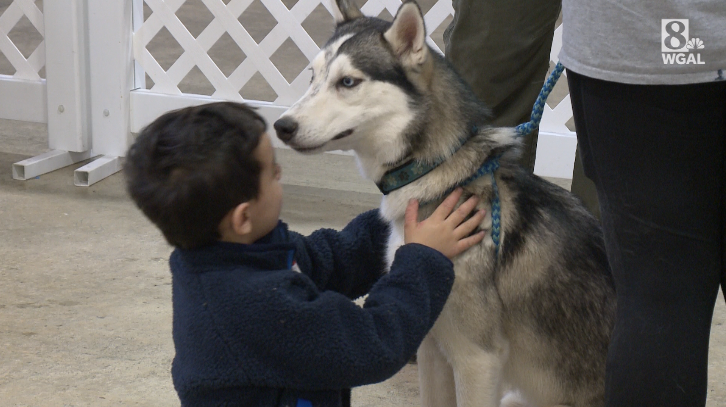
(262, 315)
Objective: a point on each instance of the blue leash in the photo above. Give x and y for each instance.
(491, 165)
(533, 123)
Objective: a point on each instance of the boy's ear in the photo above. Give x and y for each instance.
(407, 35)
(241, 221)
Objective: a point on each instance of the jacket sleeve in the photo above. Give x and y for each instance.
(349, 261)
(294, 336)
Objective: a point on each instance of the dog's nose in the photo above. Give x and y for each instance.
(285, 128)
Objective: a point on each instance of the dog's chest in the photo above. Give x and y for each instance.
(469, 266)
(396, 236)
(473, 304)
(395, 240)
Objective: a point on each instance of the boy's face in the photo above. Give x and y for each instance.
(265, 209)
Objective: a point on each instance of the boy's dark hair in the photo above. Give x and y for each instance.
(190, 167)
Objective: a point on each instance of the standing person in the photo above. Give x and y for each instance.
(652, 137)
(502, 49)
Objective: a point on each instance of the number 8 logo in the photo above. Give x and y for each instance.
(674, 34)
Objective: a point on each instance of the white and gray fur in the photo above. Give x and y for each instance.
(531, 321)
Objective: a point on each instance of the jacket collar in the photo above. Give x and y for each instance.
(273, 251)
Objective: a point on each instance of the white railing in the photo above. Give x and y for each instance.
(97, 57)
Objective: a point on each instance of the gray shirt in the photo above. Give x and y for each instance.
(628, 41)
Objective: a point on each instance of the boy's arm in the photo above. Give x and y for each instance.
(349, 261)
(292, 335)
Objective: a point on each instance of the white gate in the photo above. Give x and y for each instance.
(97, 61)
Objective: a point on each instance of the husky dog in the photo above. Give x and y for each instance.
(529, 318)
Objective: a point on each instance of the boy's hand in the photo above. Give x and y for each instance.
(444, 230)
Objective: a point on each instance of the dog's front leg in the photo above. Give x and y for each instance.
(478, 374)
(436, 378)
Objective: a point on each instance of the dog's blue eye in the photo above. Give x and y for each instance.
(349, 82)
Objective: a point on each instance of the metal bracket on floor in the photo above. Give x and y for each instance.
(47, 162)
(96, 170)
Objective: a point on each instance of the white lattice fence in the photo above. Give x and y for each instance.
(289, 25)
(166, 90)
(226, 20)
(25, 68)
(25, 84)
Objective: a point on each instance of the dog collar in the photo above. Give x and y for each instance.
(412, 170)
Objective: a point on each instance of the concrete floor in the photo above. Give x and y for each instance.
(85, 307)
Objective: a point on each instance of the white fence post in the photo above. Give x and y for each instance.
(112, 77)
(67, 91)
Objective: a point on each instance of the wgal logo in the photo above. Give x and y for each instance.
(676, 46)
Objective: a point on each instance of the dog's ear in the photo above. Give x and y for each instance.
(345, 10)
(407, 35)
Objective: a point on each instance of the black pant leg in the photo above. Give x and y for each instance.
(723, 225)
(656, 154)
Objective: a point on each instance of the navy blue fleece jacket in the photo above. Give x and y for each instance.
(250, 331)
